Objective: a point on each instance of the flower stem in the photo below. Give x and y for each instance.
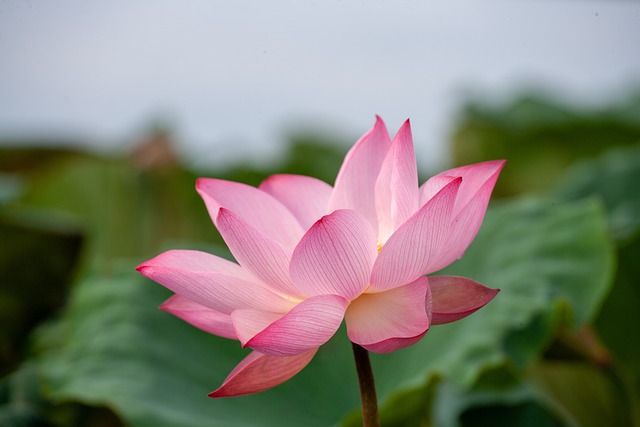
(367, 387)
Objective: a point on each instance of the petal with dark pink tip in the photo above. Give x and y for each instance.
(259, 372)
(412, 250)
(471, 204)
(355, 184)
(454, 298)
(383, 322)
(306, 197)
(308, 325)
(474, 178)
(211, 281)
(201, 317)
(397, 184)
(335, 256)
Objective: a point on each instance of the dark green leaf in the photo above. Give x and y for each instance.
(615, 178)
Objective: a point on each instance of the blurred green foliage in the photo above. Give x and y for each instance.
(555, 348)
(37, 259)
(541, 137)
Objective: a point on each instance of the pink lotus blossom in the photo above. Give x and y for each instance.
(310, 255)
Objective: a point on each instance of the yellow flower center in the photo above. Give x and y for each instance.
(290, 298)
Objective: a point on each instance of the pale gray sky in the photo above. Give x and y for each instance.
(234, 75)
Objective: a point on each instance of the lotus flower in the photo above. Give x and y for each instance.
(310, 255)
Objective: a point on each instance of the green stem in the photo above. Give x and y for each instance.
(367, 387)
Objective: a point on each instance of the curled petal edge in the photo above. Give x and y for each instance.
(454, 298)
(259, 372)
(392, 344)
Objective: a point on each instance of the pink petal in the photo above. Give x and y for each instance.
(433, 186)
(456, 297)
(417, 244)
(393, 344)
(307, 198)
(397, 185)
(211, 281)
(355, 184)
(201, 317)
(335, 256)
(256, 207)
(308, 325)
(471, 205)
(259, 372)
(474, 178)
(256, 252)
(248, 323)
(383, 322)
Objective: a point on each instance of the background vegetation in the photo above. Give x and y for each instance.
(82, 343)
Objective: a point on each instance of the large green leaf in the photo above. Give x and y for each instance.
(514, 406)
(561, 384)
(614, 177)
(20, 400)
(545, 258)
(617, 323)
(585, 394)
(551, 261)
(114, 348)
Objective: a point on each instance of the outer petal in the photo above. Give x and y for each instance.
(417, 244)
(335, 256)
(471, 204)
(256, 207)
(259, 372)
(454, 298)
(355, 184)
(387, 321)
(201, 317)
(307, 198)
(397, 185)
(256, 252)
(211, 281)
(308, 325)
(433, 186)
(474, 178)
